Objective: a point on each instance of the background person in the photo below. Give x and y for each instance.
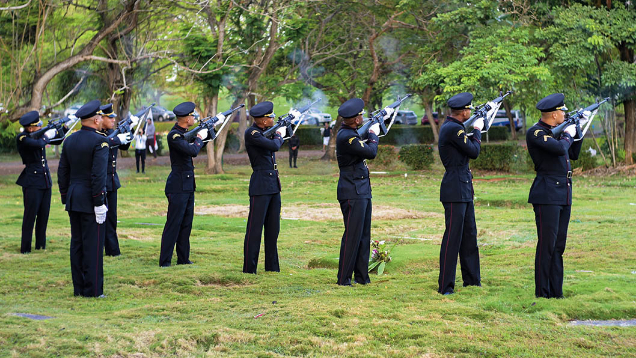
(140, 150)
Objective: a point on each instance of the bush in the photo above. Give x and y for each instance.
(502, 157)
(385, 157)
(8, 133)
(417, 156)
(586, 161)
(309, 135)
(405, 134)
(497, 133)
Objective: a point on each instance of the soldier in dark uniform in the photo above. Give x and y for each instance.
(35, 180)
(294, 144)
(120, 141)
(264, 189)
(456, 194)
(354, 192)
(82, 183)
(551, 192)
(180, 187)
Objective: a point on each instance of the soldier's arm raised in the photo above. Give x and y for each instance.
(366, 150)
(540, 138)
(471, 146)
(258, 139)
(177, 141)
(27, 141)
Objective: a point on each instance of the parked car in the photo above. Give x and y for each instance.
(314, 117)
(405, 117)
(161, 114)
(502, 120)
(72, 110)
(425, 119)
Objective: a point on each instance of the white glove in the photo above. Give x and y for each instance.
(282, 131)
(389, 112)
(585, 117)
(571, 130)
(50, 134)
(124, 138)
(295, 113)
(203, 133)
(135, 120)
(375, 128)
(221, 119)
(479, 124)
(100, 213)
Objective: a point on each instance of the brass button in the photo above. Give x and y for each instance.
(557, 183)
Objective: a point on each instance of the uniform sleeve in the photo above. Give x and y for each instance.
(63, 177)
(366, 150)
(540, 138)
(176, 141)
(60, 136)
(575, 150)
(470, 146)
(98, 172)
(257, 139)
(27, 141)
(114, 142)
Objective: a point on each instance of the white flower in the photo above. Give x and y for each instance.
(382, 242)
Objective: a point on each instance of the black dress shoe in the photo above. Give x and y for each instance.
(448, 293)
(166, 265)
(185, 263)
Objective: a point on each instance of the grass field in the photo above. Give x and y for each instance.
(212, 309)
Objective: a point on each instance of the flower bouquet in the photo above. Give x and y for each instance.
(380, 256)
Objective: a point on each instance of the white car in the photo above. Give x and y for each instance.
(72, 110)
(314, 117)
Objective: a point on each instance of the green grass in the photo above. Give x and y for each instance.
(209, 309)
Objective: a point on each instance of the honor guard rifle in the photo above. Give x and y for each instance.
(487, 111)
(287, 121)
(53, 124)
(124, 126)
(576, 117)
(378, 117)
(209, 123)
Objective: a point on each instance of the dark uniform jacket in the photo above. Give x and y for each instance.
(293, 142)
(36, 172)
(262, 154)
(455, 149)
(181, 178)
(82, 170)
(351, 152)
(112, 179)
(551, 157)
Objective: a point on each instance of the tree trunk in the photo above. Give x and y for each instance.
(630, 130)
(211, 164)
(428, 107)
(513, 127)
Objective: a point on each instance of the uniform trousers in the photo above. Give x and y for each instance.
(37, 203)
(177, 229)
(293, 154)
(460, 237)
(552, 230)
(264, 213)
(111, 245)
(87, 260)
(356, 241)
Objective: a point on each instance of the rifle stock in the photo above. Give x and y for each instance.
(286, 121)
(53, 124)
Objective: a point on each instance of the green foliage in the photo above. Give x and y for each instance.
(385, 157)
(585, 161)
(504, 157)
(309, 135)
(497, 133)
(417, 156)
(401, 134)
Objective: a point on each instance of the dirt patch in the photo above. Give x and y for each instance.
(602, 171)
(318, 212)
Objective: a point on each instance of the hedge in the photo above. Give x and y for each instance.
(417, 156)
(385, 157)
(505, 157)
